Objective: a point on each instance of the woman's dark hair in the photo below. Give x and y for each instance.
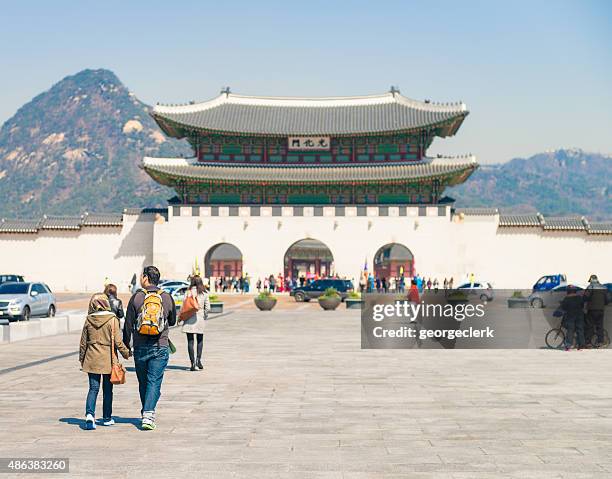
(197, 282)
(110, 290)
(153, 274)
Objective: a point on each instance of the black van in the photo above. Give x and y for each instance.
(318, 287)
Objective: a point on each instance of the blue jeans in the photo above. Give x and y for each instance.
(92, 395)
(150, 363)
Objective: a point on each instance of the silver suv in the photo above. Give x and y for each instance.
(21, 301)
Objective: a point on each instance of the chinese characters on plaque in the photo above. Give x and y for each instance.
(309, 143)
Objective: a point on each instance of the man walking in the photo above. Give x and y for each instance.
(149, 314)
(596, 298)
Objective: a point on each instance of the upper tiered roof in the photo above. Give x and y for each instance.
(281, 116)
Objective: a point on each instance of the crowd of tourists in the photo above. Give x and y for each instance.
(377, 284)
(233, 284)
(583, 315)
(149, 314)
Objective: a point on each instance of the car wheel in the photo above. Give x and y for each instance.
(51, 311)
(537, 303)
(299, 297)
(26, 314)
(484, 297)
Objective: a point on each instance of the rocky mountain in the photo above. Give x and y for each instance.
(560, 182)
(77, 147)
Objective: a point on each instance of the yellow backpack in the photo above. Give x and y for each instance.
(151, 319)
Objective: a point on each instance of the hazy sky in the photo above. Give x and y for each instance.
(535, 74)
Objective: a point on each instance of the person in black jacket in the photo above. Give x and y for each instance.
(115, 303)
(573, 308)
(596, 299)
(151, 352)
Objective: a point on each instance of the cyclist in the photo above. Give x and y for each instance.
(572, 305)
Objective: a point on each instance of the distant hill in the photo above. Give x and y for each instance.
(77, 147)
(561, 182)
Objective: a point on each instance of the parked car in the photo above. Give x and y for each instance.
(179, 296)
(550, 281)
(318, 287)
(609, 288)
(551, 298)
(11, 278)
(169, 286)
(482, 289)
(21, 301)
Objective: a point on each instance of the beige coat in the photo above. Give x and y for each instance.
(95, 349)
(196, 323)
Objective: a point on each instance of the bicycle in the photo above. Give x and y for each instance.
(555, 338)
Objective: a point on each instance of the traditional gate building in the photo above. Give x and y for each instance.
(308, 186)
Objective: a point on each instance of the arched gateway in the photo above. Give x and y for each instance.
(308, 258)
(393, 260)
(223, 260)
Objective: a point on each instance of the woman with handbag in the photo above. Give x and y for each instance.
(98, 357)
(193, 314)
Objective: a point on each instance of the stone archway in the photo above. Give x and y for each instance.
(308, 258)
(223, 260)
(393, 260)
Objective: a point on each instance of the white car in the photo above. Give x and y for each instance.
(170, 286)
(482, 289)
(21, 301)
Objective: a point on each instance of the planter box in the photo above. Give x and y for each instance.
(353, 303)
(265, 304)
(518, 303)
(216, 308)
(329, 303)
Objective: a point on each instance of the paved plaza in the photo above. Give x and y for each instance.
(290, 394)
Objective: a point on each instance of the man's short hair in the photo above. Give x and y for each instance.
(152, 273)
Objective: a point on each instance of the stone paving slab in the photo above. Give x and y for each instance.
(290, 394)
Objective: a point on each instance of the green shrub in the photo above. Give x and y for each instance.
(213, 298)
(331, 293)
(518, 294)
(266, 295)
(354, 295)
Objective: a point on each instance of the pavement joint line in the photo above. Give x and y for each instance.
(37, 362)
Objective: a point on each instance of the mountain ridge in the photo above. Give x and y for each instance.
(77, 147)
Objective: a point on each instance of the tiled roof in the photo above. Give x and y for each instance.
(102, 219)
(60, 223)
(478, 211)
(564, 223)
(600, 228)
(519, 220)
(184, 168)
(231, 113)
(19, 226)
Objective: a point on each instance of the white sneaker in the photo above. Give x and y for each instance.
(90, 422)
(108, 422)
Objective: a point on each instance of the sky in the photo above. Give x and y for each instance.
(535, 75)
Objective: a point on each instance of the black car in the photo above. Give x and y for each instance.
(318, 287)
(11, 278)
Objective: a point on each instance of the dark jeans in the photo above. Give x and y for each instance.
(190, 346)
(574, 325)
(150, 363)
(594, 326)
(92, 395)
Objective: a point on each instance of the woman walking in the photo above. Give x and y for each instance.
(95, 353)
(194, 326)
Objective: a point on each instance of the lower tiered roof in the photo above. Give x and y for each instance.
(168, 170)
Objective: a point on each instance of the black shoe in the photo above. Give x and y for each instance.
(199, 364)
(193, 367)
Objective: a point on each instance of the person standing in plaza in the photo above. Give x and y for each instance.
(149, 314)
(595, 299)
(572, 306)
(95, 354)
(193, 327)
